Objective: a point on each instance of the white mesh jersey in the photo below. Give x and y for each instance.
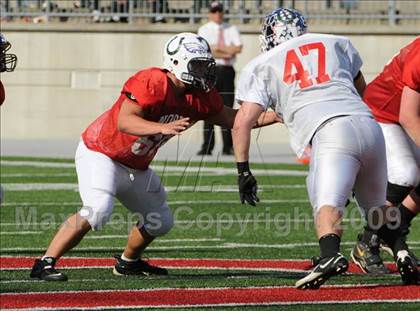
(307, 80)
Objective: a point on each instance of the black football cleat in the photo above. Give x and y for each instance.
(366, 256)
(407, 267)
(138, 267)
(44, 270)
(326, 268)
(384, 247)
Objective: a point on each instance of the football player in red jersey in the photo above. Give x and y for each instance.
(113, 157)
(7, 62)
(394, 98)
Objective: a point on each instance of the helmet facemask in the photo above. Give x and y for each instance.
(7, 61)
(201, 73)
(281, 25)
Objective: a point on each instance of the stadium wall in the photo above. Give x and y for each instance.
(65, 78)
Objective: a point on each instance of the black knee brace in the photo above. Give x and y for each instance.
(396, 193)
(142, 230)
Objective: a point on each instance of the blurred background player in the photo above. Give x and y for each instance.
(113, 157)
(314, 82)
(394, 98)
(225, 44)
(7, 63)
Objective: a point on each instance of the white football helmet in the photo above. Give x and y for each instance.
(281, 25)
(188, 56)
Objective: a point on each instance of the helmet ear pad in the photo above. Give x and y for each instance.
(188, 56)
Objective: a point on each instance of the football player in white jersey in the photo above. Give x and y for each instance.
(314, 82)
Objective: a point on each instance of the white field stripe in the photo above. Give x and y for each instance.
(165, 174)
(120, 236)
(204, 188)
(161, 169)
(178, 202)
(168, 266)
(37, 175)
(38, 186)
(19, 232)
(177, 222)
(169, 289)
(37, 164)
(223, 246)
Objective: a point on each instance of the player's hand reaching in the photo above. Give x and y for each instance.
(247, 184)
(175, 127)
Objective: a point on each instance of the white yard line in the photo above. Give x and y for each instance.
(38, 186)
(194, 188)
(124, 236)
(20, 232)
(37, 175)
(177, 202)
(189, 247)
(161, 169)
(37, 164)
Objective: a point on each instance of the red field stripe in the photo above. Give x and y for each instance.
(202, 296)
(175, 263)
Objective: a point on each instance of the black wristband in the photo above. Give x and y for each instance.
(242, 167)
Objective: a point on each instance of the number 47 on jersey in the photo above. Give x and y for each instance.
(302, 75)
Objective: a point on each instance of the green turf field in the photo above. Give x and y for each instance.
(210, 223)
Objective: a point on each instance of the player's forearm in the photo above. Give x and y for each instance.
(137, 126)
(241, 137)
(268, 118)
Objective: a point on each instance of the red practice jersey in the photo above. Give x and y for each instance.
(383, 94)
(151, 90)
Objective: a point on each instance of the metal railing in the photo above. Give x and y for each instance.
(190, 11)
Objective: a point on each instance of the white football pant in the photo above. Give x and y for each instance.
(101, 179)
(348, 154)
(402, 156)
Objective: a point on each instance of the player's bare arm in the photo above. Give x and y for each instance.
(131, 121)
(410, 113)
(360, 83)
(226, 118)
(245, 120)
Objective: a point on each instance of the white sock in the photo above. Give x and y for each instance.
(127, 259)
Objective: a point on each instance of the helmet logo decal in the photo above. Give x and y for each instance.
(201, 39)
(177, 48)
(194, 47)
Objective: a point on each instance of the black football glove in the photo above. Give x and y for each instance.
(247, 188)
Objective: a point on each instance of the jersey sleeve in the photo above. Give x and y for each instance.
(411, 70)
(146, 89)
(252, 89)
(355, 59)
